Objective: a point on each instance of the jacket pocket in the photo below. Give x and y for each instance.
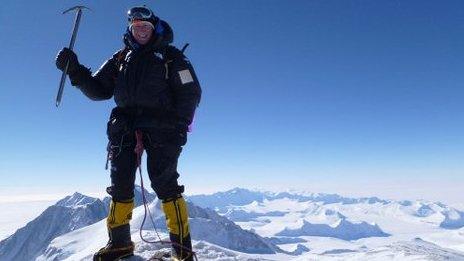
(118, 126)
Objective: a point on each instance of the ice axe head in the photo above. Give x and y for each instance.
(77, 7)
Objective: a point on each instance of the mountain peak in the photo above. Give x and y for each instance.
(76, 200)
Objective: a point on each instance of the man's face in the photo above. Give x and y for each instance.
(142, 31)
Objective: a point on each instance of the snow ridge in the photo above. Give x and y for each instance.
(208, 226)
(239, 197)
(343, 230)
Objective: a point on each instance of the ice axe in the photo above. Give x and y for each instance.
(71, 46)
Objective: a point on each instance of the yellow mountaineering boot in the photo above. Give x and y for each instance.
(176, 213)
(120, 244)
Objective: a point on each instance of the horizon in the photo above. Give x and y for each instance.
(452, 201)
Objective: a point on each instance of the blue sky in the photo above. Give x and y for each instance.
(296, 94)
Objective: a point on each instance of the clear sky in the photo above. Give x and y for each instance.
(360, 96)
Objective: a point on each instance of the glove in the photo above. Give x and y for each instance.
(62, 58)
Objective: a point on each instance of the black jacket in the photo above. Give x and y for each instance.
(155, 80)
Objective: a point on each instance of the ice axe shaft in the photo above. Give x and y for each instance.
(77, 20)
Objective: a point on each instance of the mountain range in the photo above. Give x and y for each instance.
(242, 224)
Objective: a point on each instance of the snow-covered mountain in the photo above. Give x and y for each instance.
(68, 214)
(242, 224)
(242, 205)
(206, 226)
(326, 223)
(239, 197)
(80, 211)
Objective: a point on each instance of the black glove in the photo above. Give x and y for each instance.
(62, 58)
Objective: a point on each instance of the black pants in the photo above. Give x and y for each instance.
(162, 156)
(161, 166)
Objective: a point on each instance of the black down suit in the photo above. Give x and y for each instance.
(156, 91)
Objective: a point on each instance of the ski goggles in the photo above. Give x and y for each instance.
(139, 13)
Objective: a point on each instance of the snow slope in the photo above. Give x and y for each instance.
(68, 214)
(209, 230)
(416, 249)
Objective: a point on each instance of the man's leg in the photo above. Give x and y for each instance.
(162, 169)
(122, 192)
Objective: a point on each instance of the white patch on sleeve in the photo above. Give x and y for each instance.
(185, 76)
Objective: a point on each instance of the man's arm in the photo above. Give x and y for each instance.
(100, 86)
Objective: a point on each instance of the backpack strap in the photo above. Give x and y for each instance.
(169, 57)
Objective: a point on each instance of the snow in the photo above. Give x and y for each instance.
(288, 226)
(402, 220)
(415, 249)
(76, 200)
(344, 230)
(82, 243)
